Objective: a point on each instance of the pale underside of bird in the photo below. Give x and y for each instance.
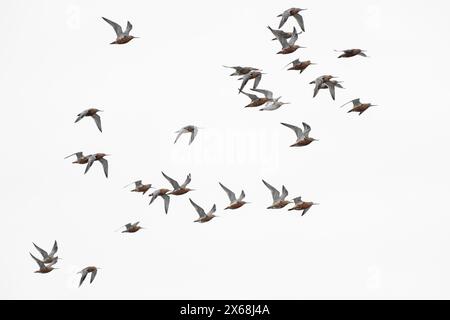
(139, 187)
(193, 130)
(203, 217)
(326, 82)
(100, 158)
(43, 267)
(303, 137)
(256, 75)
(163, 194)
(235, 203)
(177, 188)
(292, 12)
(240, 71)
(48, 257)
(93, 114)
(273, 105)
(287, 47)
(358, 106)
(122, 37)
(279, 201)
(85, 272)
(348, 53)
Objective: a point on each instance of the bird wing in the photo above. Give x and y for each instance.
(242, 196)
(41, 251)
(78, 154)
(275, 192)
(299, 19)
(98, 121)
(104, 163)
(244, 81)
(354, 101)
(253, 97)
(39, 262)
(213, 209)
(117, 28)
(128, 29)
(297, 130)
(268, 94)
(187, 181)
(199, 209)
(155, 195)
(284, 16)
(166, 202)
(193, 134)
(362, 54)
(305, 211)
(297, 200)
(294, 37)
(331, 86)
(284, 193)
(306, 129)
(89, 164)
(318, 83)
(128, 226)
(54, 249)
(230, 193)
(174, 184)
(93, 274)
(257, 81)
(279, 36)
(83, 276)
(180, 132)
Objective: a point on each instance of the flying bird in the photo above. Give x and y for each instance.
(273, 105)
(92, 112)
(42, 267)
(279, 201)
(163, 194)
(287, 46)
(257, 101)
(139, 187)
(241, 71)
(122, 37)
(292, 12)
(81, 159)
(298, 65)
(303, 138)
(256, 75)
(98, 157)
(326, 82)
(351, 53)
(48, 257)
(132, 228)
(234, 203)
(177, 189)
(299, 204)
(193, 130)
(84, 273)
(283, 34)
(358, 106)
(203, 217)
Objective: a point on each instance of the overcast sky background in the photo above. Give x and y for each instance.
(382, 179)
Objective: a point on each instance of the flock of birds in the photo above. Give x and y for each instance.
(267, 102)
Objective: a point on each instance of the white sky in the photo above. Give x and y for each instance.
(382, 179)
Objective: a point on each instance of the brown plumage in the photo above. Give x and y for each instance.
(351, 53)
(358, 106)
(301, 205)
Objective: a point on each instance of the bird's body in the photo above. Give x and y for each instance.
(122, 37)
(100, 157)
(279, 201)
(348, 53)
(44, 268)
(203, 217)
(235, 203)
(301, 205)
(292, 12)
(163, 193)
(177, 188)
(303, 138)
(241, 71)
(252, 75)
(92, 112)
(358, 106)
(193, 130)
(258, 101)
(132, 227)
(301, 66)
(92, 270)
